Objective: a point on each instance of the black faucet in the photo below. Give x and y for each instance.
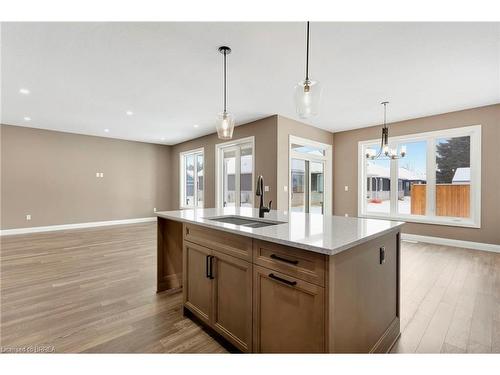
(259, 191)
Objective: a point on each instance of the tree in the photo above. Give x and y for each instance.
(452, 153)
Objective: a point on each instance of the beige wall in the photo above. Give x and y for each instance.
(51, 175)
(346, 170)
(287, 127)
(263, 130)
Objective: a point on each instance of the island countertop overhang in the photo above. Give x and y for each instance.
(323, 234)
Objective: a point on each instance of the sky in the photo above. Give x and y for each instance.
(415, 159)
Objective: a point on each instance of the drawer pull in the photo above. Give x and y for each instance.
(277, 257)
(211, 270)
(277, 278)
(207, 261)
(382, 255)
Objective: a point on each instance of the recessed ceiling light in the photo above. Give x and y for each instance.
(26, 118)
(196, 126)
(24, 91)
(129, 113)
(106, 130)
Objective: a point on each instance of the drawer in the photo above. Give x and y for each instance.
(228, 243)
(302, 264)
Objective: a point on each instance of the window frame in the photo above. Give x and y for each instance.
(474, 221)
(182, 179)
(219, 185)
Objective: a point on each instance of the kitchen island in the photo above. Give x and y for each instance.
(288, 283)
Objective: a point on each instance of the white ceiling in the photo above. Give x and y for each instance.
(83, 77)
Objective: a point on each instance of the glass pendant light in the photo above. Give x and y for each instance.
(307, 93)
(225, 120)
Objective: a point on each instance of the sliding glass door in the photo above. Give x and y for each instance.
(235, 174)
(308, 186)
(310, 178)
(229, 177)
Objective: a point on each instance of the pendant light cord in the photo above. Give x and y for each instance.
(307, 52)
(225, 85)
(385, 114)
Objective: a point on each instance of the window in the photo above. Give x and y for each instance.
(192, 183)
(310, 163)
(235, 173)
(437, 182)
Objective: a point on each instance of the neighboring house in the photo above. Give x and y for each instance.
(379, 182)
(461, 176)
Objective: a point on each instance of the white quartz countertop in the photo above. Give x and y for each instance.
(314, 232)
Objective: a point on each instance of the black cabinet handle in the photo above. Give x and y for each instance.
(277, 278)
(211, 270)
(207, 260)
(382, 255)
(277, 257)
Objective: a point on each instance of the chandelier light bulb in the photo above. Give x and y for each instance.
(386, 150)
(403, 150)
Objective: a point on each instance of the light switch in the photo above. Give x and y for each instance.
(346, 188)
(285, 188)
(266, 188)
(28, 217)
(97, 174)
(101, 175)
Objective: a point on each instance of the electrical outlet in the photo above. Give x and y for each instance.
(266, 188)
(28, 217)
(97, 174)
(101, 175)
(346, 215)
(346, 188)
(285, 188)
(154, 209)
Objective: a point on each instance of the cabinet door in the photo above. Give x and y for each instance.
(232, 300)
(197, 289)
(289, 314)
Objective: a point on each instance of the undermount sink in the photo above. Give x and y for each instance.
(244, 221)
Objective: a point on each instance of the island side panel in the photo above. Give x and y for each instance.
(364, 297)
(169, 261)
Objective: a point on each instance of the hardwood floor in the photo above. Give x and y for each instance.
(93, 290)
(450, 300)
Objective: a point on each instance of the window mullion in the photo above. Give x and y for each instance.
(394, 187)
(195, 185)
(237, 177)
(430, 196)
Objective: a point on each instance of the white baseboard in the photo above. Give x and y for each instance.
(450, 242)
(50, 228)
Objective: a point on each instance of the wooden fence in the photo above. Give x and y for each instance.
(451, 200)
